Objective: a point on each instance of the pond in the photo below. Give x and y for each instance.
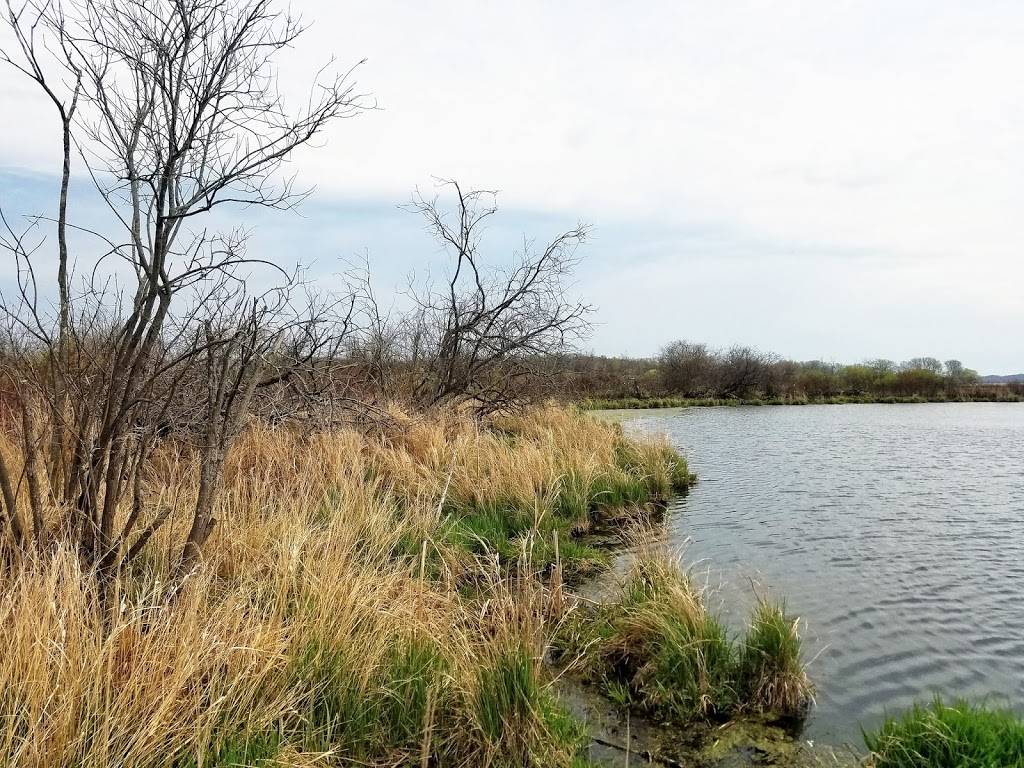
(896, 533)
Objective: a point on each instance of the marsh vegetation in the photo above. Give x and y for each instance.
(351, 606)
(949, 734)
(658, 649)
(249, 520)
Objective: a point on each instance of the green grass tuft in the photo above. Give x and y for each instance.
(770, 672)
(958, 735)
(508, 696)
(659, 650)
(239, 751)
(366, 710)
(521, 721)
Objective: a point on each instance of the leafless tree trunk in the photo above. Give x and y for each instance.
(489, 327)
(172, 107)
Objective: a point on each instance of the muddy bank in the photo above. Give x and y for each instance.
(624, 738)
(619, 739)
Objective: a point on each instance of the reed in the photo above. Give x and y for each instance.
(770, 669)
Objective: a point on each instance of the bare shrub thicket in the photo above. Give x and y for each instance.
(694, 370)
(170, 108)
(488, 331)
(688, 368)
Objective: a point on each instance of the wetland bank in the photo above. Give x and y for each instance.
(255, 514)
(423, 595)
(381, 597)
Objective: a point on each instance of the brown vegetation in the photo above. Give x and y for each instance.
(337, 610)
(171, 111)
(692, 371)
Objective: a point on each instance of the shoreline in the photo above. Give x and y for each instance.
(653, 403)
(618, 731)
(964, 725)
(370, 587)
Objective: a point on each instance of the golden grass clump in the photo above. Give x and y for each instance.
(367, 598)
(86, 684)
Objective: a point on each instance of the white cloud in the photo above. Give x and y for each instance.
(874, 149)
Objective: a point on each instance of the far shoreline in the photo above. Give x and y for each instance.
(652, 403)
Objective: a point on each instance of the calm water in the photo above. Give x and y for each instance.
(895, 532)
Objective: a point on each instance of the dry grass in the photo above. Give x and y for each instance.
(86, 686)
(343, 614)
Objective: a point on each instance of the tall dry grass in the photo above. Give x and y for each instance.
(342, 614)
(86, 684)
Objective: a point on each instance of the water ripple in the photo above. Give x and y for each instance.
(895, 532)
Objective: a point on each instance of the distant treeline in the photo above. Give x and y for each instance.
(688, 371)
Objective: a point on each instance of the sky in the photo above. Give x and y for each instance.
(825, 179)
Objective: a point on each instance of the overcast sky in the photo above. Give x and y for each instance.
(825, 179)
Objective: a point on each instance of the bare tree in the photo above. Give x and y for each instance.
(173, 109)
(743, 371)
(930, 364)
(687, 368)
(489, 327)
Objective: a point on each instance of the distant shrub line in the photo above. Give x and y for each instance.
(688, 373)
(633, 403)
